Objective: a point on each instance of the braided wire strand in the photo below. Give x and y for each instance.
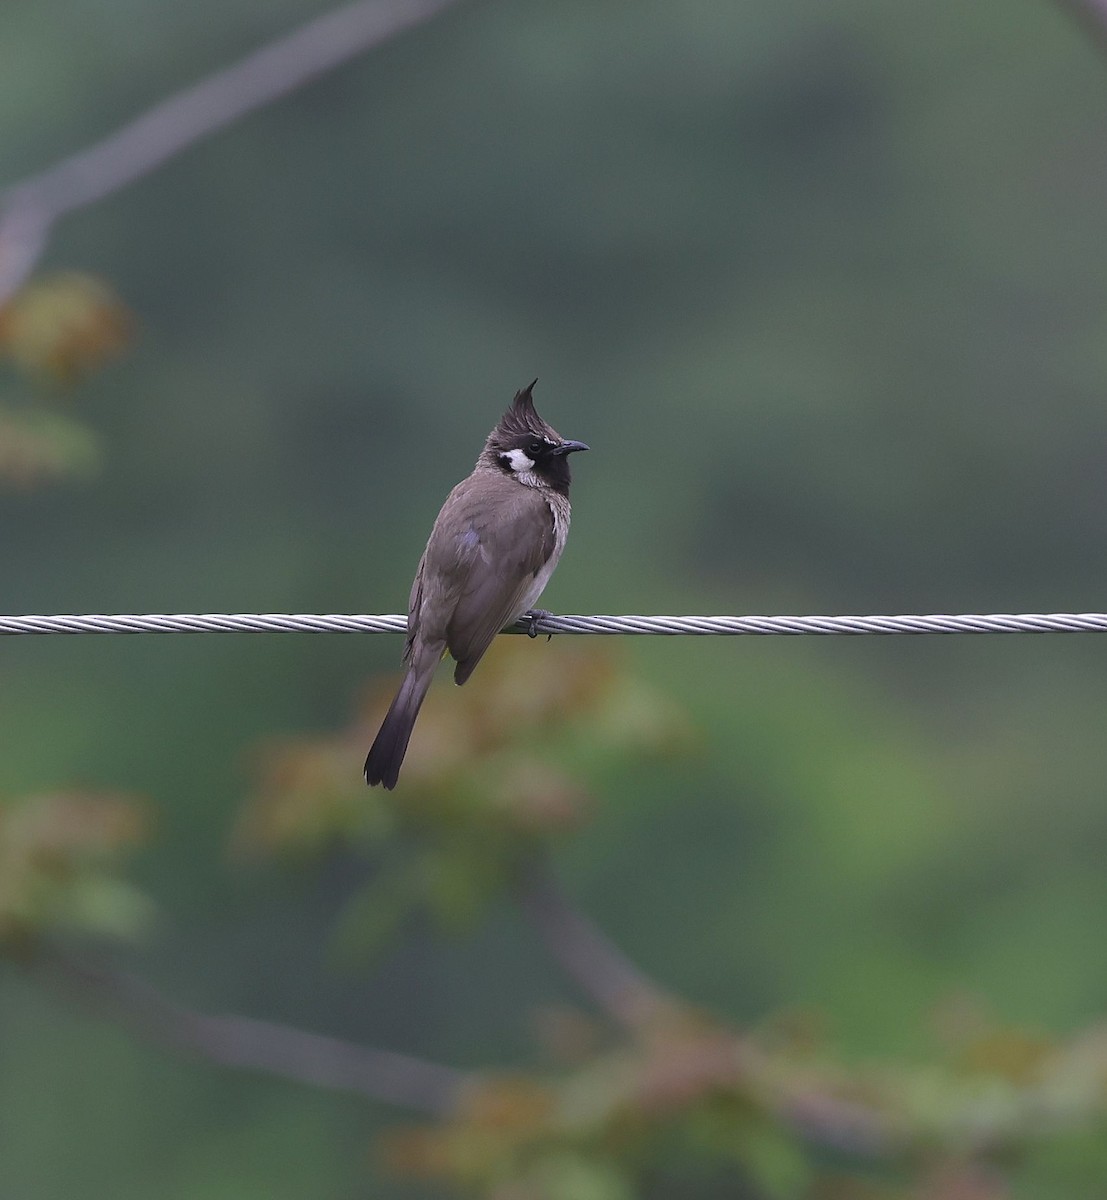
(699, 626)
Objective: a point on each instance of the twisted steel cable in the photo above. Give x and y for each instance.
(640, 625)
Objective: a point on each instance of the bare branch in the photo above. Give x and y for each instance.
(1091, 15)
(835, 1123)
(245, 1043)
(250, 1044)
(31, 207)
(818, 1117)
(587, 955)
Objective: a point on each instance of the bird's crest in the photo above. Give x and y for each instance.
(522, 418)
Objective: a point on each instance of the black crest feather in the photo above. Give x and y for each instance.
(522, 419)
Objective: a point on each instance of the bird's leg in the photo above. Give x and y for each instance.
(533, 616)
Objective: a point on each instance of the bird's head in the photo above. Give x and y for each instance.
(524, 446)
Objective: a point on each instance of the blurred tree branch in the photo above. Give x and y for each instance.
(587, 956)
(30, 208)
(816, 1115)
(1091, 15)
(762, 1097)
(250, 1044)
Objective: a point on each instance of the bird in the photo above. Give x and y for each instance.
(491, 552)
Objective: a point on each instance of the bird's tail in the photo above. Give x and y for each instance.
(387, 752)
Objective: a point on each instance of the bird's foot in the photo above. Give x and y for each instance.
(533, 616)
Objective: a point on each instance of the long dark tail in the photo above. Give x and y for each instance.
(387, 753)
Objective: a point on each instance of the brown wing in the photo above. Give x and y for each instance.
(414, 604)
(491, 539)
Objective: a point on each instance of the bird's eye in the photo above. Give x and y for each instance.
(535, 448)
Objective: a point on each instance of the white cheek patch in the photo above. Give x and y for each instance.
(518, 461)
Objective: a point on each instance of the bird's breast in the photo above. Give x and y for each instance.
(560, 512)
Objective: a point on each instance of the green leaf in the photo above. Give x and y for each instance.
(39, 447)
(374, 914)
(772, 1157)
(99, 904)
(570, 1176)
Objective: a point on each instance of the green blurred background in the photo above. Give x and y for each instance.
(822, 285)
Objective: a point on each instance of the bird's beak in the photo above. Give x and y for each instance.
(570, 447)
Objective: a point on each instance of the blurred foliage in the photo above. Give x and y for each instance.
(62, 326)
(692, 1100)
(59, 858)
(487, 780)
(823, 289)
(40, 447)
(681, 1100)
(55, 331)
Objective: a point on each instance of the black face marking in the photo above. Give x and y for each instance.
(525, 447)
(529, 455)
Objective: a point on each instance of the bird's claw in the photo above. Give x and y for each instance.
(533, 616)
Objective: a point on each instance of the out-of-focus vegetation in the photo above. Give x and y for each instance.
(822, 287)
(650, 1094)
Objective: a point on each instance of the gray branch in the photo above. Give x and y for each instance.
(401, 1080)
(250, 1044)
(1091, 15)
(31, 207)
(621, 990)
(597, 965)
